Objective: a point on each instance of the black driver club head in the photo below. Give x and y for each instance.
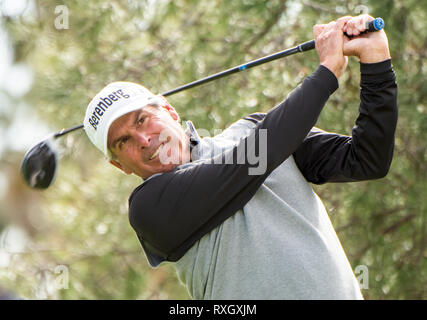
(39, 165)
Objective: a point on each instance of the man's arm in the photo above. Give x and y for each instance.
(327, 157)
(367, 154)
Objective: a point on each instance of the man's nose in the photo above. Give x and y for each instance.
(143, 139)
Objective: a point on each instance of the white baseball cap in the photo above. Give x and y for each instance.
(112, 102)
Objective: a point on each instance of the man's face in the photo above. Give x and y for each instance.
(148, 141)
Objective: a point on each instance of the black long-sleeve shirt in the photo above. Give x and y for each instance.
(171, 211)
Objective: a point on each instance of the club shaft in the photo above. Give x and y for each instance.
(300, 48)
(65, 131)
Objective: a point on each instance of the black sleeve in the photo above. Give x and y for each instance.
(171, 211)
(367, 154)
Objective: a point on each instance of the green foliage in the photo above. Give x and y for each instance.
(163, 44)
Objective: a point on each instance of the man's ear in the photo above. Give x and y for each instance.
(171, 110)
(122, 168)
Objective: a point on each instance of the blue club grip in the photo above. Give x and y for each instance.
(375, 25)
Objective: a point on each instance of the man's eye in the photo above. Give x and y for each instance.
(122, 142)
(141, 119)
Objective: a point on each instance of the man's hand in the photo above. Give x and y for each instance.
(329, 39)
(370, 47)
(333, 46)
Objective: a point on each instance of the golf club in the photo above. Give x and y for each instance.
(40, 162)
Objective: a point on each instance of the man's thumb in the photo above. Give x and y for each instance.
(351, 47)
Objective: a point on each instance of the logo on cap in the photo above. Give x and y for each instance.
(104, 104)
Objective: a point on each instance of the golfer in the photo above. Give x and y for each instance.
(235, 214)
